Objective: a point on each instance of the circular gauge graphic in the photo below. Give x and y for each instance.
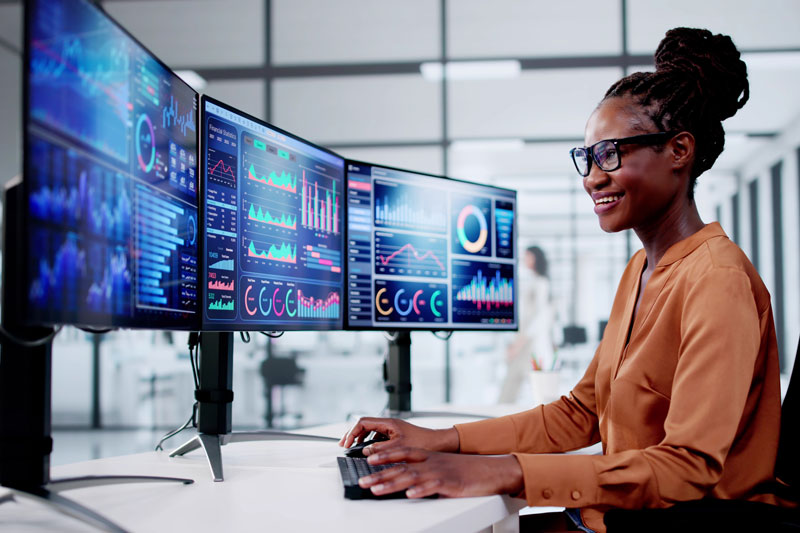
(145, 143)
(191, 228)
(247, 309)
(276, 301)
(264, 302)
(381, 299)
(435, 300)
(472, 246)
(399, 301)
(291, 307)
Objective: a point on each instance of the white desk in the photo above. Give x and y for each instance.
(281, 486)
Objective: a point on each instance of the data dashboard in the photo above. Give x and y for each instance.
(427, 252)
(111, 196)
(274, 238)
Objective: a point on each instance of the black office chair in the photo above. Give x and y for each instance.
(280, 372)
(733, 515)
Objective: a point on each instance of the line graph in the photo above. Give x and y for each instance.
(221, 167)
(171, 114)
(410, 255)
(75, 72)
(99, 199)
(283, 220)
(286, 181)
(284, 253)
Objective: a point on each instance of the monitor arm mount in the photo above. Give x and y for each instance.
(25, 399)
(215, 398)
(397, 380)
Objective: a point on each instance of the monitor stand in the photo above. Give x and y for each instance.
(25, 402)
(215, 398)
(397, 381)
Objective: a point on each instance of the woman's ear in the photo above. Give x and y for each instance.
(682, 150)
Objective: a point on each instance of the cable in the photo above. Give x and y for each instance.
(436, 334)
(272, 334)
(6, 337)
(194, 351)
(191, 421)
(245, 336)
(391, 337)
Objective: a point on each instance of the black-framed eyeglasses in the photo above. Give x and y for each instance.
(606, 154)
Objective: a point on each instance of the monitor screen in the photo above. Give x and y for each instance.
(110, 176)
(274, 226)
(427, 252)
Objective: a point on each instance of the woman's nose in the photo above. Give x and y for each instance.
(596, 179)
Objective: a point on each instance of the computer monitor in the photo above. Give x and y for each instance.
(110, 227)
(428, 252)
(274, 232)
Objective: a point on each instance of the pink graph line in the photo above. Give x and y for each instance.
(225, 169)
(416, 256)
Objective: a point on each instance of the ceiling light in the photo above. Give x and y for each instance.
(472, 70)
(195, 80)
(496, 145)
(772, 60)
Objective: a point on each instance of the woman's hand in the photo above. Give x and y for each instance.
(401, 433)
(425, 473)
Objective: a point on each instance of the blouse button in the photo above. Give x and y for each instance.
(576, 495)
(547, 494)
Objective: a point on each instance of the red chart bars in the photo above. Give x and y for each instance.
(319, 207)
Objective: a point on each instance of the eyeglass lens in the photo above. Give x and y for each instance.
(606, 155)
(581, 160)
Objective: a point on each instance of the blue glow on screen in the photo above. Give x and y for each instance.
(110, 176)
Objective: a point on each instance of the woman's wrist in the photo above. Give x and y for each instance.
(447, 440)
(513, 480)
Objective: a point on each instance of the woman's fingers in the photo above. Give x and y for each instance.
(392, 480)
(397, 454)
(425, 488)
(362, 428)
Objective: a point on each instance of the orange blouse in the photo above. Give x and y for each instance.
(689, 408)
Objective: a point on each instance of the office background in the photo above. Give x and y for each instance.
(364, 77)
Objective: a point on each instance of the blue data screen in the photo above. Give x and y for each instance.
(110, 176)
(428, 252)
(274, 237)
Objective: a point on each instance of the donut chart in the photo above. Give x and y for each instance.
(145, 143)
(476, 245)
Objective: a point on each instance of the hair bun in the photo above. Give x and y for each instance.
(712, 61)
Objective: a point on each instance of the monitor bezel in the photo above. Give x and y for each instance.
(515, 327)
(216, 326)
(153, 323)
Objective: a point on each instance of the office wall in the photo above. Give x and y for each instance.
(11, 91)
(347, 74)
(767, 196)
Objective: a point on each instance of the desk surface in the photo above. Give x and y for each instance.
(269, 486)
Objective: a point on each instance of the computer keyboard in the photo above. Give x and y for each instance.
(353, 468)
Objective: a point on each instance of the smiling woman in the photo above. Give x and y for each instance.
(683, 391)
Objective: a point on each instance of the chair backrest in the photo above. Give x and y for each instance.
(787, 467)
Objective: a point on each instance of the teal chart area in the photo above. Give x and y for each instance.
(274, 216)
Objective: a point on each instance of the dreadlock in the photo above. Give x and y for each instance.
(699, 81)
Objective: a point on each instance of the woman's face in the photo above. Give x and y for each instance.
(644, 188)
(530, 261)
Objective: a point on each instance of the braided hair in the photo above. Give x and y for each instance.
(699, 81)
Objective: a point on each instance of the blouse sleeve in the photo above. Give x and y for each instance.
(568, 423)
(720, 340)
